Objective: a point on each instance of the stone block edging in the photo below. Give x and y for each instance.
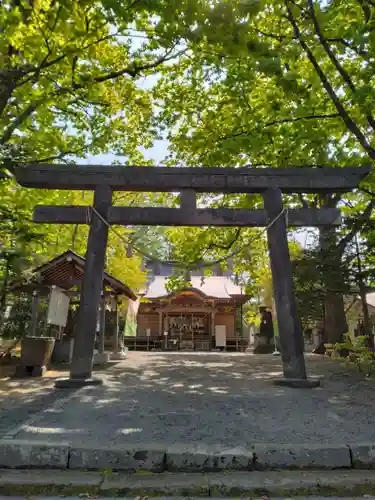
(257, 484)
(18, 454)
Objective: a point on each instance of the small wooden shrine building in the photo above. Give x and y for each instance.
(65, 273)
(202, 317)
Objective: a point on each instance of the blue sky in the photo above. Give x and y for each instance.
(157, 153)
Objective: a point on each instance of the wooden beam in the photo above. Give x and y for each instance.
(203, 179)
(62, 214)
(188, 200)
(160, 216)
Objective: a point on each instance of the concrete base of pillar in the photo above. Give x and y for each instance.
(101, 358)
(249, 350)
(76, 383)
(298, 383)
(119, 355)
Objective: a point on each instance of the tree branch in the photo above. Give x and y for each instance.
(367, 191)
(309, 117)
(242, 132)
(135, 71)
(365, 9)
(357, 225)
(21, 76)
(279, 38)
(229, 245)
(344, 74)
(364, 53)
(351, 125)
(7, 89)
(60, 155)
(28, 111)
(45, 64)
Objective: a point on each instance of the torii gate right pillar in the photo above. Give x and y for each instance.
(290, 333)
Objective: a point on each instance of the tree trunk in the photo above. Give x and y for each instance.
(3, 294)
(335, 324)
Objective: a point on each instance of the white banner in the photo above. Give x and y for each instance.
(131, 318)
(58, 307)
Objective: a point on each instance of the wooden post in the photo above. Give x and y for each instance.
(212, 331)
(188, 201)
(34, 313)
(192, 332)
(116, 348)
(102, 326)
(46, 326)
(166, 329)
(160, 324)
(83, 353)
(291, 339)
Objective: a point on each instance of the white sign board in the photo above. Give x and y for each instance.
(58, 308)
(221, 336)
(148, 332)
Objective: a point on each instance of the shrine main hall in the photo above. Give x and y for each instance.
(204, 316)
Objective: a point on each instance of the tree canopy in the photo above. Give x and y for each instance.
(283, 84)
(233, 83)
(69, 88)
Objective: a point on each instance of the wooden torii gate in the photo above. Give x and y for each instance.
(270, 183)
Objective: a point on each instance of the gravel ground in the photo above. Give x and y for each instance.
(211, 398)
(22, 398)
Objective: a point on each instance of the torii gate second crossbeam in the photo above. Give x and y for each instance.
(104, 180)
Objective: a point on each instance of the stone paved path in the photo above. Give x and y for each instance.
(212, 398)
(21, 398)
(185, 498)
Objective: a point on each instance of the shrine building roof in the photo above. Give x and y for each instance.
(66, 271)
(216, 287)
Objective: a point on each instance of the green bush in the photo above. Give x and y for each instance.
(19, 320)
(356, 353)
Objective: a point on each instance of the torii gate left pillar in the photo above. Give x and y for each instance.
(92, 284)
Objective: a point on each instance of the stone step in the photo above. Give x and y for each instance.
(232, 484)
(16, 454)
(187, 498)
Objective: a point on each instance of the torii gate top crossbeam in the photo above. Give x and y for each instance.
(203, 179)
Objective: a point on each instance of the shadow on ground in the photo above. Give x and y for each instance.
(226, 399)
(21, 398)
